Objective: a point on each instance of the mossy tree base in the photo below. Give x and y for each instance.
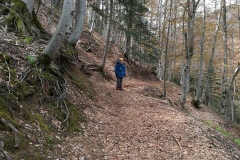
(19, 20)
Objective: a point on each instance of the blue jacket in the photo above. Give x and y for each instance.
(120, 70)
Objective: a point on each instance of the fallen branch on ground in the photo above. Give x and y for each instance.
(14, 130)
(86, 65)
(181, 152)
(92, 44)
(5, 154)
(67, 116)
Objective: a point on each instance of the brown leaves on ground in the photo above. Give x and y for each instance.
(131, 125)
(139, 123)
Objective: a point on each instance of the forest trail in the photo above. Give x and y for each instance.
(134, 124)
(137, 124)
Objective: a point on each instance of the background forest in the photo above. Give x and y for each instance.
(193, 43)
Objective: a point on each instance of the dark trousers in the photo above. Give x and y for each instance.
(119, 83)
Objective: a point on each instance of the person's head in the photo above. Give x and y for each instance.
(120, 60)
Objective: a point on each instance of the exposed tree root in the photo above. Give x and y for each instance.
(14, 130)
(5, 154)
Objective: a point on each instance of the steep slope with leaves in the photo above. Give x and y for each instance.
(76, 113)
(138, 123)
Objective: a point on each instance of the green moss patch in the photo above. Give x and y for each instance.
(80, 80)
(237, 141)
(23, 91)
(44, 127)
(223, 132)
(75, 118)
(5, 113)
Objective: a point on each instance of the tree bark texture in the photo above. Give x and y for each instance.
(108, 35)
(166, 54)
(189, 45)
(60, 34)
(225, 68)
(200, 75)
(80, 11)
(29, 4)
(210, 64)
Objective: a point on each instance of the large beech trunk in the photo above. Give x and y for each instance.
(225, 68)
(189, 45)
(80, 11)
(200, 75)
(60, 33)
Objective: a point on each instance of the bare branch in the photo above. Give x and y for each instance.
(14, 130)
(4, 152)
(182, 5)
(67, 116)
(181, 152)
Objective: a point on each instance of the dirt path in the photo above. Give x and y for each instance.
(132, 124)
(137, 124)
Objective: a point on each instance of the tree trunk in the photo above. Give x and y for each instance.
(225, 68)
(233, 103)
(166, 54)
(130, 11)
(92, 20)
(199, 87)
(128, 42)
(80, 11)
(233, 77)
(163, 35)
(160, 69)
(210, 65)
(175, 31)
(50, 51)
(189, 45)
(108, 35)
(29, 4)
(232, 96)
(117, 32)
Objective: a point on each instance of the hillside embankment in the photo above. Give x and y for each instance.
(136, 123)
(139, 123)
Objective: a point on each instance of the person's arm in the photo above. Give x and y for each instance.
(115, 70)
(124, 70)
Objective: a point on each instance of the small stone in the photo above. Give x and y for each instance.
(236, 156)
(88, 157)
(82, 158)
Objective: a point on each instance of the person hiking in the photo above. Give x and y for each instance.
(120, 72)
